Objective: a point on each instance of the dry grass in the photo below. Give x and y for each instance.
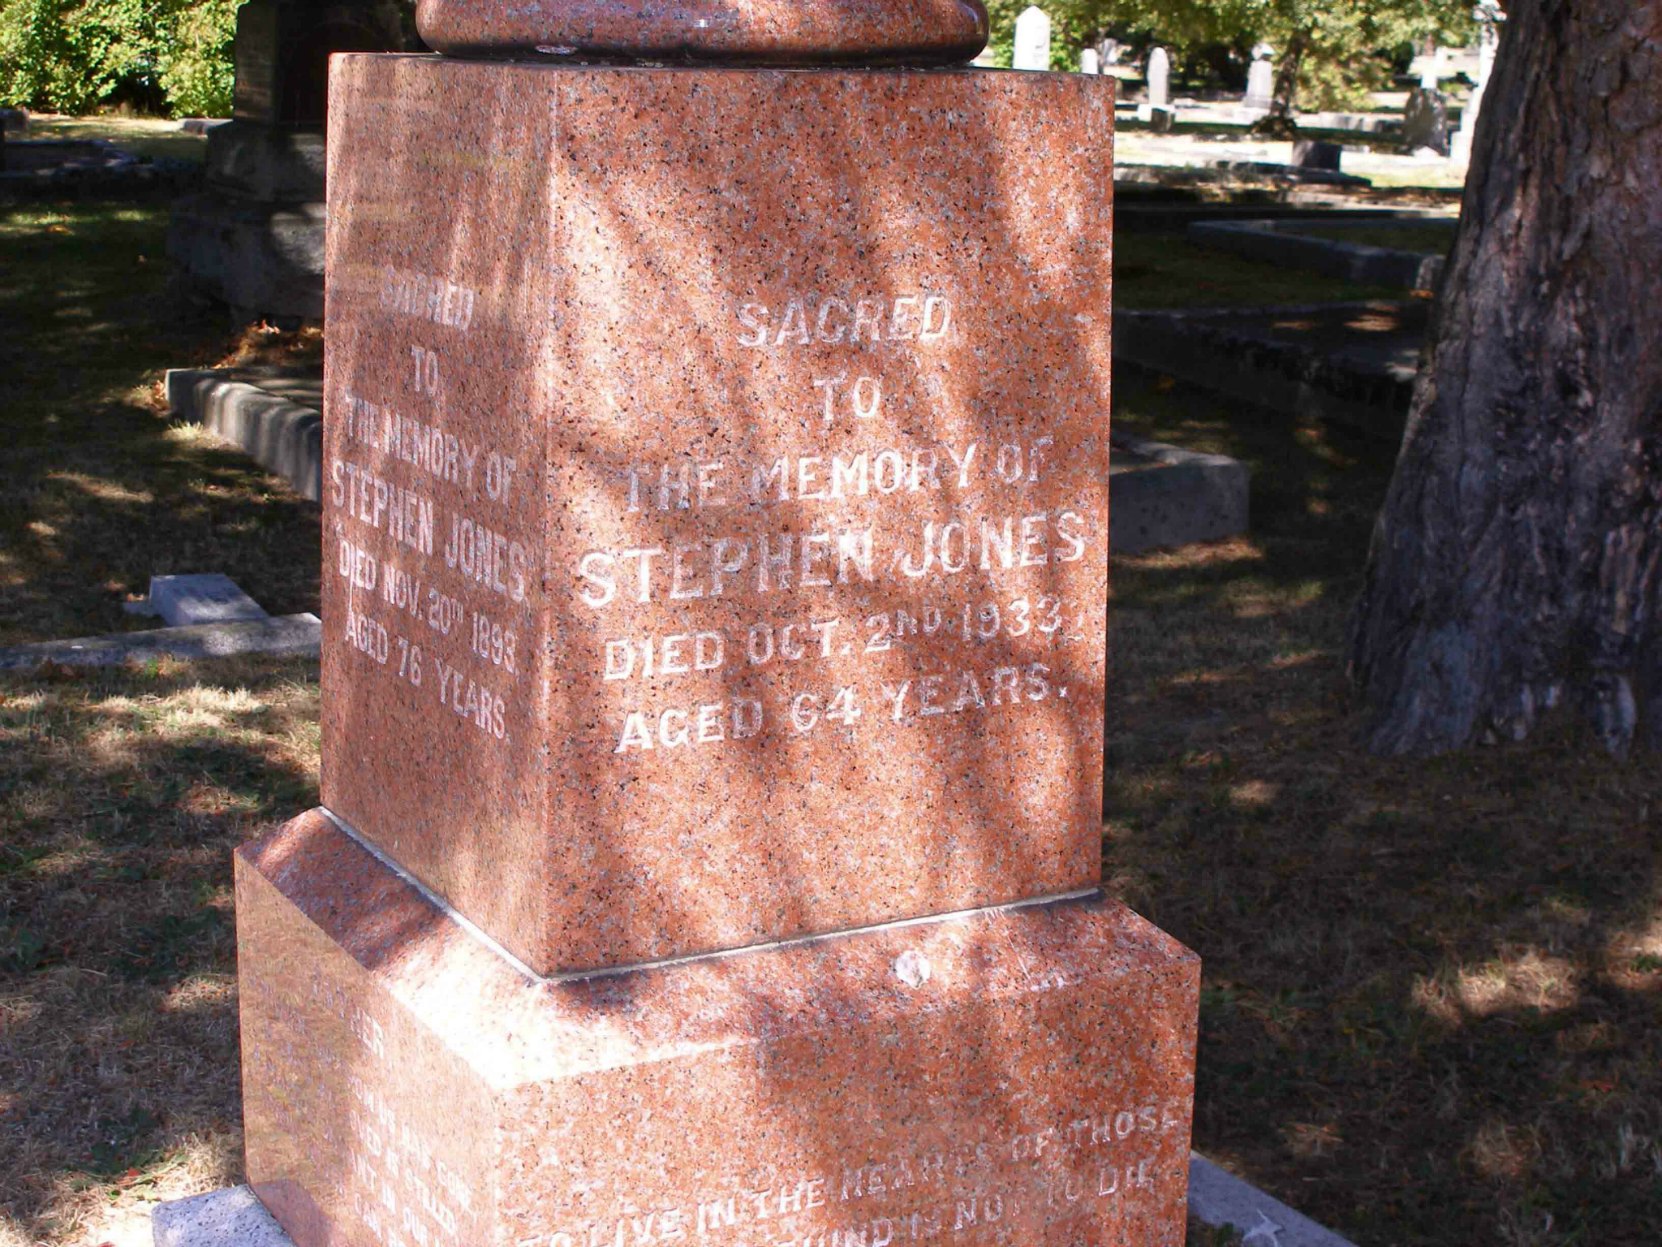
(122, 795)
(1433, 993)
(97, 492)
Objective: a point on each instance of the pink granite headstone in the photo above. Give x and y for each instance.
(716, 534)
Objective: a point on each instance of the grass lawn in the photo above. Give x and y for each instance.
(1429, 239)
(1155, 270)
(97, 493)
(142, 136)
(1432, 1011)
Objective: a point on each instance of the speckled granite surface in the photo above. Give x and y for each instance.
(716, 497)
(716, 531)
(1018, 1077)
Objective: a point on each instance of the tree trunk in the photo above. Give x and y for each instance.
(1286, 77)
(1517, 564)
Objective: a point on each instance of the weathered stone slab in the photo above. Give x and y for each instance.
(230, 1218)
(256, 256)
(716, 538)
(1219, 1198)
(1165, 496)
(198, 598)
(1020, 1076)
(284, 634)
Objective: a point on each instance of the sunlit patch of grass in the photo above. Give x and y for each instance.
(1454, 963)
(123, 793)
(1527, 980)
(142, 136)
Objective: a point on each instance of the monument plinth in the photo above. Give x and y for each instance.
(716, 531)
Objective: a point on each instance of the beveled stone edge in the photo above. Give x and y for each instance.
(582, 976)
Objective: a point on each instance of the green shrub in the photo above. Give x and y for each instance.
(196, 68)
(70, 56)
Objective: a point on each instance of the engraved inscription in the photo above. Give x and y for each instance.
(969, 1193)
(863, 616)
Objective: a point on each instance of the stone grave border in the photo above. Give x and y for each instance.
(1280, 242)
(281, 435)
(1208, 348)
(282, 634)
(100, 170)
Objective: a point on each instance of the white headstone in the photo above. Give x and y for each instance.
(1431, 73)
(1489, 16)
(208, 598)
(1090, 62)
(1032, 39)
(1261, 78)
(1159, 78)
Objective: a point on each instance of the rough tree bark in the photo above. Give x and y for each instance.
(1285, 91)
(1517, 564)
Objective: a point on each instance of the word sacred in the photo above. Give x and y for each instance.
(429, 298)
(806, 320)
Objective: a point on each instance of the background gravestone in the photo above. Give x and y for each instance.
(1260, 92)
(714, 678)
(1489, 16)
(1032, 45)
(254, 238)
(1425, 122)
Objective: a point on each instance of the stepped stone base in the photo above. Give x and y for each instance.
(1013, 1076)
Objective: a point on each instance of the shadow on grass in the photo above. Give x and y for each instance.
(1433, 1003)
(97, 492)
(122, 794)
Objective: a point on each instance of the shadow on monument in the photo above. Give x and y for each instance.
(619, 230)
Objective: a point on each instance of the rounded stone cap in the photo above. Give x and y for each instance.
(779, 32)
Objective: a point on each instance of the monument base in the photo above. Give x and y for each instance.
(1019, 1076)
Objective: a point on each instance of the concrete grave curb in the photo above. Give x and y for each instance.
(280, 434)
(1219, 1198)
(1278, 242)
(1213, 349)
(287, 634)
(234, 1218)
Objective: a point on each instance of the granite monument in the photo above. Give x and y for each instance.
(716, 532)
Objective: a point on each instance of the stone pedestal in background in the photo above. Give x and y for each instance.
(716, 530)
(254, 238)
(1425, 122)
